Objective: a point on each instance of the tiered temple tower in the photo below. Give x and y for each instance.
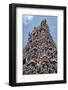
(40, 45)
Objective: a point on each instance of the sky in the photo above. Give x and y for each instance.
(31, 21)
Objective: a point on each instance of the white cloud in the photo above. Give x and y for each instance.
(27, 19)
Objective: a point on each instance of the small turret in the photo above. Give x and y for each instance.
(44, 24)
